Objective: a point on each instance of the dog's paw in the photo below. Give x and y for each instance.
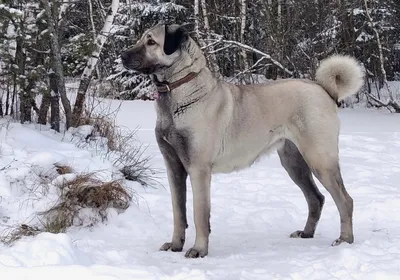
(171, 246)
(341, 240)
(301, 234)
(196, 253)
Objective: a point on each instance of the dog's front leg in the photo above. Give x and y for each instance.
(177, 176)
(200, 178)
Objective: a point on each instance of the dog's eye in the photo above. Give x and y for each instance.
(151, 42)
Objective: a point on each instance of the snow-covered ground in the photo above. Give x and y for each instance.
(253, 213)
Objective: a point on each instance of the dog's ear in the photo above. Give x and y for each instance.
(174, 38)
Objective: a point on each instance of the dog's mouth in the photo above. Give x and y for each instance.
(147, 70)
(131, 65)
(143, 70)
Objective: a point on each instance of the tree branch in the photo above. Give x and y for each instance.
(249, 69)
(390, 103)
(251, 49)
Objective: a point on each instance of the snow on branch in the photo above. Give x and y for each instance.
(388, 104)
(63, 8)
(160, 8)
(11, 11)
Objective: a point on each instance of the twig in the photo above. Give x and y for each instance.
(8, 165)
(249, 69)
(39, 51)
(380, 102)
(251, 49)
(210, 45)
(220, 49)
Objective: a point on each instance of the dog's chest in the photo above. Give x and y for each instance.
(173, 133)
(171, 115)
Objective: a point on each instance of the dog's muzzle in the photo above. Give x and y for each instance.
(130, 61)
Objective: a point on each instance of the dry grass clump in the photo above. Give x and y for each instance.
(135, 166)
(15, 233)
(83, 200)
(123, 149)
(103, 126)
(121, 145)
(41, 180)
(85, 191)
(63, 169)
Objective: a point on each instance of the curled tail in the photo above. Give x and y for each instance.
(340, 76)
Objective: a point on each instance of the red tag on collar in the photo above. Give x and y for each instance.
(155, 95)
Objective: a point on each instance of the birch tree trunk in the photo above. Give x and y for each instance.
(93, 30)
(211, 57)
(280, 14)
(92, 62)
(91, 19)
(197, 23)
(57, 63)
(243, 18)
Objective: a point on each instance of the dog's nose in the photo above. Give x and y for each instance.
(125, 56)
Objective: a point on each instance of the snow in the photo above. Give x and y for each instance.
(358, 11)
(364, 37)
(161, 8)
(12, 11)
(253, 212)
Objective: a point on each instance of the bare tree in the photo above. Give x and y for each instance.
(51, 99)
(44, 107)
(197, 23)
(391, 102)
(54, 103)
(212, 57)
(57, 62)
(92, 62)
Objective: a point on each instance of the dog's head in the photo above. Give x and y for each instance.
(158, 49)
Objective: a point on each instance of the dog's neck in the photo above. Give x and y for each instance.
(166, 87)
(193, 61)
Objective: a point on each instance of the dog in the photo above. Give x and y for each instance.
(206, 126)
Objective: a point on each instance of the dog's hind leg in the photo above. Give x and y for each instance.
(330, 177)
(322, 157)
(300, 173)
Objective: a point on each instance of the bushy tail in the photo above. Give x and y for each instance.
(340, 76)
